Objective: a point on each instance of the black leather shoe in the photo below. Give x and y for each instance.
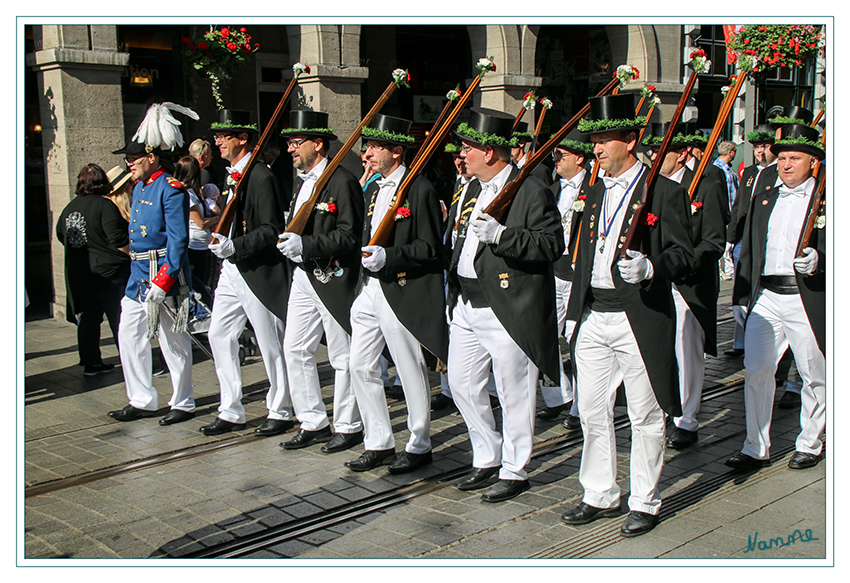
(274, 427)
(505, 490)
(550, 413)
(584, 513)
(801, 460)
(735, 352)
(176, 416)
(741, 461)
(572, 422)
(682, 438)
(408, 462)
(220, 426)
(790, 400)
(130, 413)
(371, 458)
(478, 478)
(638, 523)
(304, 438)
(440, 402)
(342, 441)
(90, 371)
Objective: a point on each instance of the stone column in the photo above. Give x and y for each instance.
(512, 48)
(79, 79)
(333, 85)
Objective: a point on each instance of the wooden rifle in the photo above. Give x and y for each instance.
(497, 208)
(638, 222)
(298, 222)
(382, 233)
(226, 218)
(816, 205)
(725, 110)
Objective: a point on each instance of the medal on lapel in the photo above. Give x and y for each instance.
(402, 278)
(504, 283)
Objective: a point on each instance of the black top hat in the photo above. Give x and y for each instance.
(488, 127)
(303, 122)
(693, 135)
(577, 143)
(612, 113)
(793, 114)
(392, 130)
(234, 120)
(659, 130)
(136, 149)
(761, 134)
(521, 132)
(798, 137)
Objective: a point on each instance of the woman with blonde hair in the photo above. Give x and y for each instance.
(121, 192)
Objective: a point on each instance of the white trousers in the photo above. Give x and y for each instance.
(306, 319)
(777, 321)
(374, 325)
(235, 304)
(477, 341)
(554, 396)
(606, 347)
(136, 360)
(690, 355)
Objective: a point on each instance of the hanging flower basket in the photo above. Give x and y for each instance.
(759, 47)
(219, 55)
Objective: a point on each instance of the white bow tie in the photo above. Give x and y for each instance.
(611, 181)
(799, 191)
(383, 183)
(308, 176)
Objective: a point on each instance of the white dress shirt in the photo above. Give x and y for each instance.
(309, 179)
(387, 188)
(569, 192)
(489, 190)
(784, 226)
(606, 251)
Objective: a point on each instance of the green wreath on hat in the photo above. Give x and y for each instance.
(328, 131)
(792, 141)
(583, 147)
(383, 136)
(755, 136)
(601, 125)
(678, 139)
(527, 136)
(697, 138)
(217, 125)
(452, 148)
(486, 139)
(787, 120)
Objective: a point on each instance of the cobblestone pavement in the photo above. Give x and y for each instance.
(184, 507)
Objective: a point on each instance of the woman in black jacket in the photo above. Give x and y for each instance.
(97, 264)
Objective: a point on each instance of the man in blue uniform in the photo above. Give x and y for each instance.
(159, 278)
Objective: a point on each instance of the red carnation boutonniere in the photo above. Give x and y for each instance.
(651, 219)
(326, 207)
(403, 212)
(236, 175)
(695, 206)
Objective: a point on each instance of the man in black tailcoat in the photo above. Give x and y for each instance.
(326, 261)
(626, 316)
(254, 282)
(695, 294)
(783, 296)
(502, 296)
(400, 304)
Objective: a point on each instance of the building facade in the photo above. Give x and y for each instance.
(87, 88)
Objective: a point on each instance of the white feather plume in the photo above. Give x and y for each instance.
(160, 128)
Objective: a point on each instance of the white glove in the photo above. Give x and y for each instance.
(156, 294)
(740, 314)
(290, 245)
(224, 248)
(637, 268)
(808, 263)
(729, 247)
(486, 228)
(377, 258)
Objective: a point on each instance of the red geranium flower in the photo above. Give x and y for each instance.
(651, 219)
(224, 32)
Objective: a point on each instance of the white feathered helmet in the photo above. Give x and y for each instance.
(159, 129)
